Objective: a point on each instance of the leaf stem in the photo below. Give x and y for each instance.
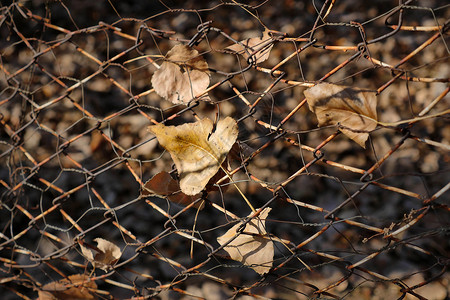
(284, 242)
(193, 228)
(239, 190)
(141, 57)
(414, 120)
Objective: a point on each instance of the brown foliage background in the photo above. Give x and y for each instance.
(74, 149)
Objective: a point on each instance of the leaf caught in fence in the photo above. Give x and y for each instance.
(353, 108)
(107, 254)
(251, 247)
(162, 184)
(183, 75)
(197, 157)
(254, 44)
(74, 287)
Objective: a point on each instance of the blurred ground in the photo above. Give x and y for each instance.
(76, 101)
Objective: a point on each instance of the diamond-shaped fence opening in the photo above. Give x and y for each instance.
(94, 205)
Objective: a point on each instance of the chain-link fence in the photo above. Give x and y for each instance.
(349, 218)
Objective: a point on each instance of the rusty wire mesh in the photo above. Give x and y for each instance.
(347, 222)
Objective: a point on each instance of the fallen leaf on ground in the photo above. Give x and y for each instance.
(253, 44)
(73, 287)
(353, 108)
(252, 247)
(162, 184)
(183, 75)
(106, 254)
(197, 157)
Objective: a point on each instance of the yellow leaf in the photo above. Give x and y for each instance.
(197, 158)
(183, 75)
(254, 44)
(251, 247)
(106, 254)
(74, 287)
(353, 108)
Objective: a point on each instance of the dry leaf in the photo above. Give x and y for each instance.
(107, 254)
(252, 45)
(162, 184)
(74, 287)
(197, 158)
(252, 247)
(182, 76)
(351, 107)
(211, 185)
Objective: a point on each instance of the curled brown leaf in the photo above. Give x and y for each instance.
(104, 256)
(257, 46)
(163, 185)
(182, 76)
(353, 108)
(78, 286)
(251, 247)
